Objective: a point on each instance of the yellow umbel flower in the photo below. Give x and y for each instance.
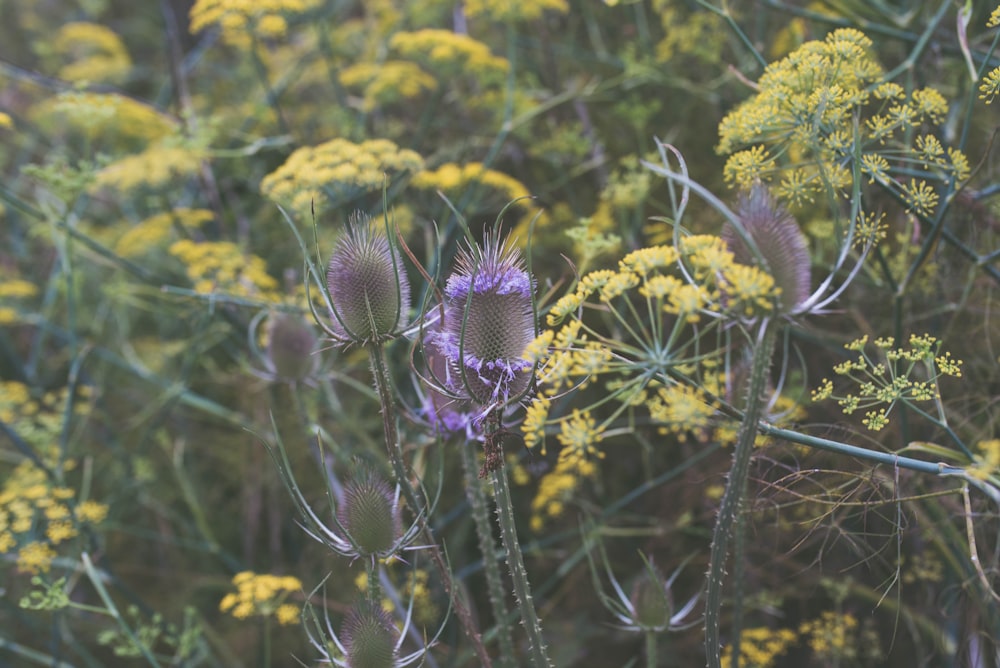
(96, 52)
(262, 595)
(313, 175)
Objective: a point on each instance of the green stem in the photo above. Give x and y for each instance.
(487, 547)
(729, 511)
(508, 532)
(392, 444)
(650, 649)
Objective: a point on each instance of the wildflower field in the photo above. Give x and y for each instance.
(514, 333)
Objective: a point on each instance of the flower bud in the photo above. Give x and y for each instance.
(651, 601)
(290, 347)
(780, 242)
(370, 513)
(488, 323)
(369, 637)
(368, 284)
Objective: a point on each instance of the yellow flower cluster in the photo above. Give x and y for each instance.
(760, 646)
(800, 128)
(262, 595)
(153, 232)
(386, 82)
(990, 87)
(36, 516)
(654, 305)
(155, 167)
(105, 115)
(689, 33)
(220, 266)
(316, 175)
(513, 10)
(987, 460)
(12, 291)
(452, 178)
(833, 638)
(883, 383)
(6, 122)
(448, 54)
(239, 20)
(96, 52)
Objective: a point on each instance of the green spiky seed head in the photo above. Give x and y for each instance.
(368, 284)
(370, 513)
(369, 637)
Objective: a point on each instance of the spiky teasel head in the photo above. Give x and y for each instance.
(369, 637)
(488, 323)
(370, 515)
(780, 241)
(291, 343)
(368, 285)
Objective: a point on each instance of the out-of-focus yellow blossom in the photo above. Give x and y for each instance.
(513, 10)
(154, 231)
(96, 53)
(994, 20)
(262, 595)
(699, 34)
(104, 116)
(833, 637)
(579, 435)
(315, 175)
(12, 291)
(240, 20)
(456, 180)
(452, 179)
(35, 557)
(387, 82)
(220, 266)
(153, 168)
(760, 646)
(448, 54)
(6, 123)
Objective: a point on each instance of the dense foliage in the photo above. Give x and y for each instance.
(396, 332)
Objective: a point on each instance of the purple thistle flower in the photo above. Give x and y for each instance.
(488, 323)
(368, 285)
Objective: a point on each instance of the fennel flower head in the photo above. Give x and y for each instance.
(488, 323)
(369, 290)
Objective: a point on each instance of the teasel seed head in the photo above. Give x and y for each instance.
(369, 637)
(370, 514)
(367, 283)
(488, 323)
(290, 347)
(780, 241)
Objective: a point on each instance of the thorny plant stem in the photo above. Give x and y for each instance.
(508, 532)
(487, 547)
(729, 511)
(383, 387)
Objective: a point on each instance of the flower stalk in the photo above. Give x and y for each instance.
(508, 532)
(730, 517)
